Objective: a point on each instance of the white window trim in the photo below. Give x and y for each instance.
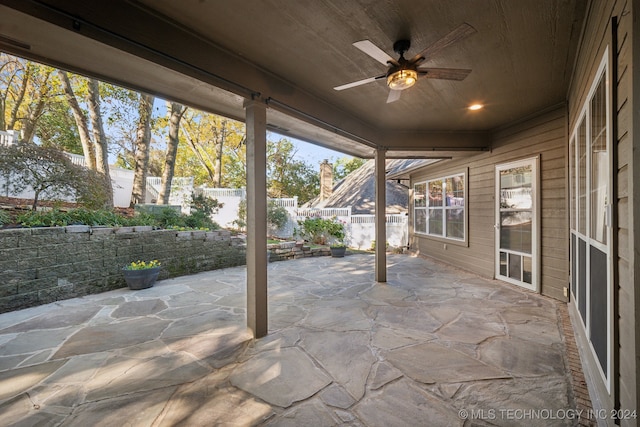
(462, 242)
(602, 72)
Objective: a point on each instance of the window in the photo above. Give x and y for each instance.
(439, 207)
(591, 189)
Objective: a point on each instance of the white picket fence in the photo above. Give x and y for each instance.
(360, 229)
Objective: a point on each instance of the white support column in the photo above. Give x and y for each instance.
(381, 217)
(256, 125)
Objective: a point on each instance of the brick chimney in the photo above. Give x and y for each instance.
(326, 179)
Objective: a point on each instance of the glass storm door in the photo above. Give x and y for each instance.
(516, 223)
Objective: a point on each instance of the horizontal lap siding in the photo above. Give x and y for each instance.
(627, 311)
(544, 136)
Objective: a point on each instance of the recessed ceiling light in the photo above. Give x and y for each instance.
(475, 107)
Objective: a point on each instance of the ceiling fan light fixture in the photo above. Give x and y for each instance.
(402, 79)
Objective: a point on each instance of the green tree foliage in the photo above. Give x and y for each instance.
(345, 165)
(57, 128)
(287, 176)
(49, 173)
(210, 147)
(26, 90)
(62, 110)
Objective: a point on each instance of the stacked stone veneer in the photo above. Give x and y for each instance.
(42, 265)
(292, 250)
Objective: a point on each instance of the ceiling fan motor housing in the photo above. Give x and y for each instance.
(401, 46)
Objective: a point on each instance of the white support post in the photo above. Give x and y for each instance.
(380, 220)
(256, 125)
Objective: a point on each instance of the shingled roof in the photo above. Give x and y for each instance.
(358, 191)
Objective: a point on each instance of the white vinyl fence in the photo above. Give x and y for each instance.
(180, 195)
(360, 229)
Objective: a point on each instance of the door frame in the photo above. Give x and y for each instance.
(535, 219)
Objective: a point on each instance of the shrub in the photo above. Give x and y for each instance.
(80, 216)
(49, 173)
(166, 218)
(202, 208)
(277, 216)
(321, 231)
(5, 218)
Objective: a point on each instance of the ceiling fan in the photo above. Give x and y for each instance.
(403, 73)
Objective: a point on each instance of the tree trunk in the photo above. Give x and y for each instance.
(175, 114)
(100, 139)
(143, 142)
(13, 115)
(220, 140)
(81, 121)
(29, 127)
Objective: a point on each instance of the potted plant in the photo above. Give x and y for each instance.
(338, 250)
(324, 231)
(141, 274)
(336, 233)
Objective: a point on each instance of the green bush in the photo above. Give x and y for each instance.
(277, 216)
(168, 217)
(5, 218)
(50, 173)
(165, 218)
(202, 208)
(321, 231)
(80, 216)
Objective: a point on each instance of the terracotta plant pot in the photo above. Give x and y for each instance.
(141, 279)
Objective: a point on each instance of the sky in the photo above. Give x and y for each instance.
(314, 154)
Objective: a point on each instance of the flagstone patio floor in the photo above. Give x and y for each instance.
(433, 346)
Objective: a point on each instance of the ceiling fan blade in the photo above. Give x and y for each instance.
(359, 82)
(444, 73)
(394, 95)
(375, 52)
(464, 30)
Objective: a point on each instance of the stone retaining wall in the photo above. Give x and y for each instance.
(42, 265)
(292, 250)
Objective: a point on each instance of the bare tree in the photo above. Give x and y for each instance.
(176, 111)
(143, 142)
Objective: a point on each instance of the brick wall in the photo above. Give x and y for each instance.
(42, 265)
